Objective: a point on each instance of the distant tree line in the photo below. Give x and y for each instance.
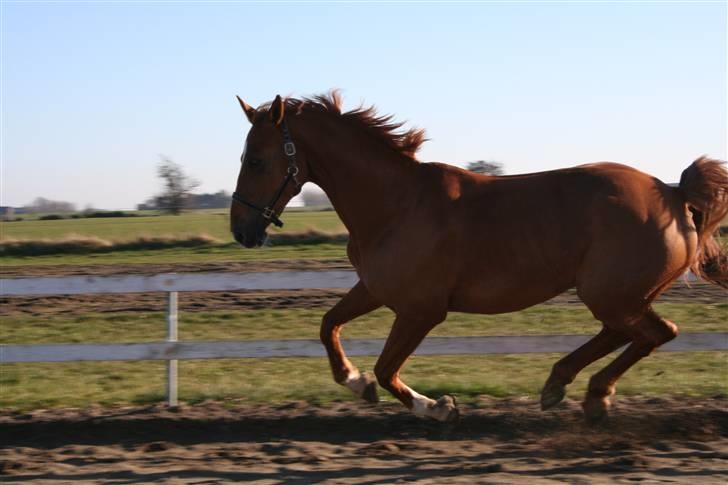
(41, 204)
(218, 200)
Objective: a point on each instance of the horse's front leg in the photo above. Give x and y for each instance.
(405, 336)
(354, 304)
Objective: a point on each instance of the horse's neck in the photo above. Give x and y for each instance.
(366, 185)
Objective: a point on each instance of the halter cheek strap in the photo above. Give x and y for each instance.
(268, 212)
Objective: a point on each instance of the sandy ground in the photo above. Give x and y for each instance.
(495, 441)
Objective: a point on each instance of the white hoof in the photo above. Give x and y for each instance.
(444, 409)
(363, 386)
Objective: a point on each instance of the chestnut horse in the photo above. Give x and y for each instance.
(429, 238)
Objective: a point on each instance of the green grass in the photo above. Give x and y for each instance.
(214, 223)
(304, 323)
(28, 386)
(232, 253)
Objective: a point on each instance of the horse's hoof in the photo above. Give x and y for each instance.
(596, 409)
(551, 395)
(446, 409)
(370, 390)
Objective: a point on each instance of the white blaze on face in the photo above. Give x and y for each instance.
(356, 382)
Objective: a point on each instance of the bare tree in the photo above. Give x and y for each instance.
(177, 186)
(41, 204)
(486, 167)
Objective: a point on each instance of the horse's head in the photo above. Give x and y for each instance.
(271, 173)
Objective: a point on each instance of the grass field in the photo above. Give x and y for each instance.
(28, 386)
(304, 324)
(230, 252)
(34, 386)
(214, 222)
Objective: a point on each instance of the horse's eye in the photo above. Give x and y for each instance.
(255, 162)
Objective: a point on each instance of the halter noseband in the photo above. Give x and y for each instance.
(268, 212)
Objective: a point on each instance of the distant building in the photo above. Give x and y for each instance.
(8, 213)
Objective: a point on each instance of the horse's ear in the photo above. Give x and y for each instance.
(249, 112)
(277, 110)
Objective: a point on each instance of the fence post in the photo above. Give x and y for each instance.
(172, 337)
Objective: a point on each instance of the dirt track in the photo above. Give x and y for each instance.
(496, 441)
(145, 268)
(681, 292)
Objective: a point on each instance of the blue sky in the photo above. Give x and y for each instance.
(93, 93)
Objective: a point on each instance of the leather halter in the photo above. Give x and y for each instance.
(268, 212)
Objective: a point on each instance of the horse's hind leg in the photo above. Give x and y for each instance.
(354, 304)
(405, 336)
(565, 370)
(648, 332)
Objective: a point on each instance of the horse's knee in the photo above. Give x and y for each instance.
(385, 378)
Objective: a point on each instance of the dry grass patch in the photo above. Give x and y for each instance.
(91, 244)
(75, 244)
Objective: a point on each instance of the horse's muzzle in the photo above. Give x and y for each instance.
(250, 239)
(251, 234)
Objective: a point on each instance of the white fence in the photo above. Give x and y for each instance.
(172, 350)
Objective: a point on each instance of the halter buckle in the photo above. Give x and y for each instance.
(267, 213)
(289, 148)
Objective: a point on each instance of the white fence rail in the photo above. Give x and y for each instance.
(74, 285)
(172, 350)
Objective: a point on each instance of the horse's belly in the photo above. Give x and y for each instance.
(507, 294)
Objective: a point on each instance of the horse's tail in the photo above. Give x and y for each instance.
(704, 185)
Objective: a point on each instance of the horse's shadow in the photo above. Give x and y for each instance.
(144, 425)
